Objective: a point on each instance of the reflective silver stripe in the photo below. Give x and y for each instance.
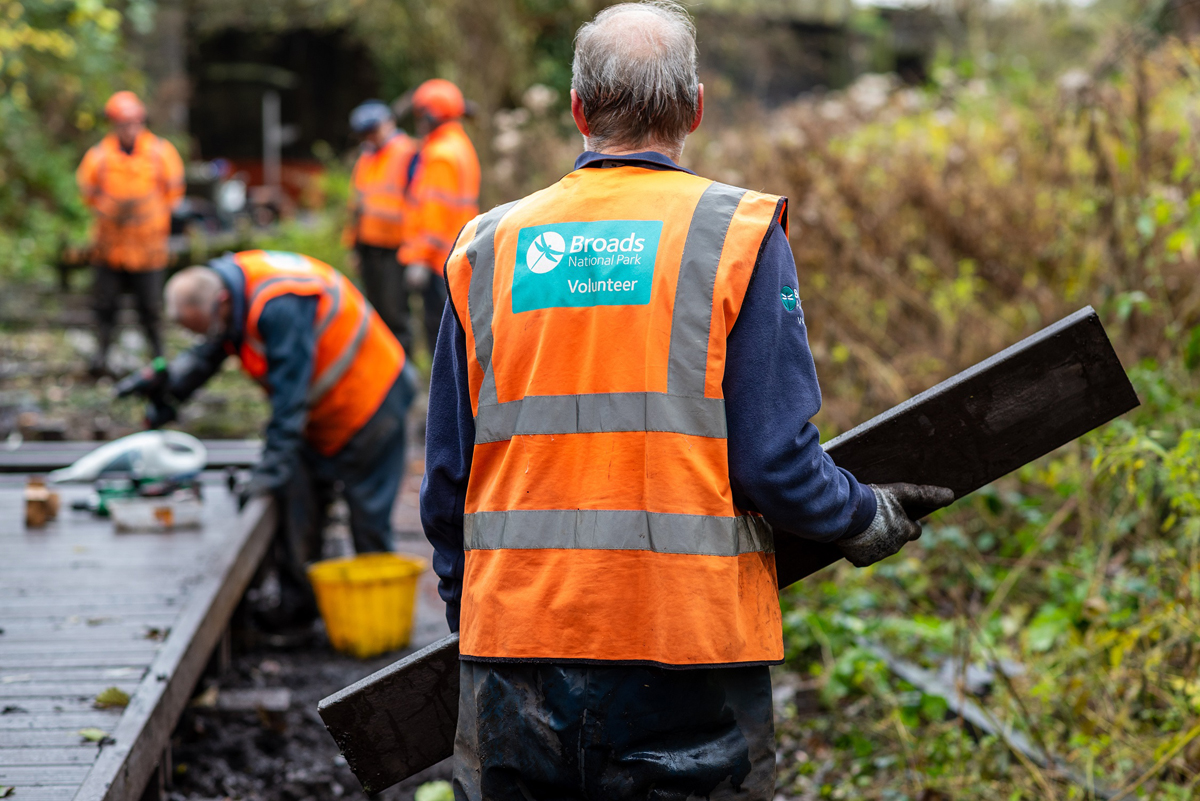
(618, 530)
(335, 304)
(693, 311)
(591, 414)
(333, 373)
(447, 199)
(481, 254)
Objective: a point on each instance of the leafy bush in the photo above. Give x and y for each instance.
(59, 61)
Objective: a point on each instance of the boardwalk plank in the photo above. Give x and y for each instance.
(83, 753)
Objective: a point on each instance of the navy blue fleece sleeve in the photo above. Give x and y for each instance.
(289, 336)
(449, 445)
(776, 464)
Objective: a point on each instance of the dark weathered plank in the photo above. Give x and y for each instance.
(966, 432)
(983, 423)
(372, 721)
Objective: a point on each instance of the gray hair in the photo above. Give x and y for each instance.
(635, 75)
(195, 287)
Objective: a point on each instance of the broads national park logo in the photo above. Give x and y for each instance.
(604, 263)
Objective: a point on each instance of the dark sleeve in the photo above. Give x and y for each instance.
(449, 444)
(188, 371)
(287, 327)
(776, 464)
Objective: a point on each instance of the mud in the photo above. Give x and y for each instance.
(262, 756)
(289, 756)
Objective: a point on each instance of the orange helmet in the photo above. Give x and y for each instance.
(124, 107)
(439, 99)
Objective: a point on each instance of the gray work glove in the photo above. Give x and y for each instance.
(899, 508)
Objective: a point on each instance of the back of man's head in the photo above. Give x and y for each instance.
(635, 75)
(192, 296)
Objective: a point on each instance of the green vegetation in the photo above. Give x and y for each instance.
(59, 62)
(932, 228)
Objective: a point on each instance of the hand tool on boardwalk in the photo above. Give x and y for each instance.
(963, 433)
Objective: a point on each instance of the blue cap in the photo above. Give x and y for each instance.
(368, 116)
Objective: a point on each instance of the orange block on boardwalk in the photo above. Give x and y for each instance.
(131, 188)
(444, 193)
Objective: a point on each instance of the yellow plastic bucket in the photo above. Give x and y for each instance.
(367, 601)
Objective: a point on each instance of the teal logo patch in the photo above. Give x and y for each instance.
(789, 298)
(605, 263)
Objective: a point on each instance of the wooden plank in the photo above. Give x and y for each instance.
(40, 661)
(17, 692)
(60, 792)
(72, 675)
(44, 704)
(98, 625)
(72, 720)
(44, 738)
(83, 753)
(372, 720)
(34, 776)
(966, 432)
(42, 457)
(123, 611)
(60, 643)
(122, 770)
(983, 423)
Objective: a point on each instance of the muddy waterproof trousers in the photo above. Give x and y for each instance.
(553, 732)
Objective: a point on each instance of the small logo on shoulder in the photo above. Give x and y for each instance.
(788, 295)
(546, 252)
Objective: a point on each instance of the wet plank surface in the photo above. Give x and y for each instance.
(84, 608)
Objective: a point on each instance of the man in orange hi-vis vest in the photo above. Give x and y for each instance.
(130, 180)
(377, 208)
(339, 389)
(444, 194)
(618, 427)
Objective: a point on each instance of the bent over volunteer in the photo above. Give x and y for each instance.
(339, 391)
(130, 180)
(617, 425)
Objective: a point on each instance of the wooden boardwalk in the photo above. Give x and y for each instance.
(83, 608)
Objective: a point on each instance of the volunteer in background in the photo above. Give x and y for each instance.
(618, 428)
(131, 179)
(377, 207)
(443, 194)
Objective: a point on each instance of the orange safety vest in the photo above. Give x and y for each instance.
(377, 201)
(600, 522)
(444, 196)
(131, 196)
(357, 358)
